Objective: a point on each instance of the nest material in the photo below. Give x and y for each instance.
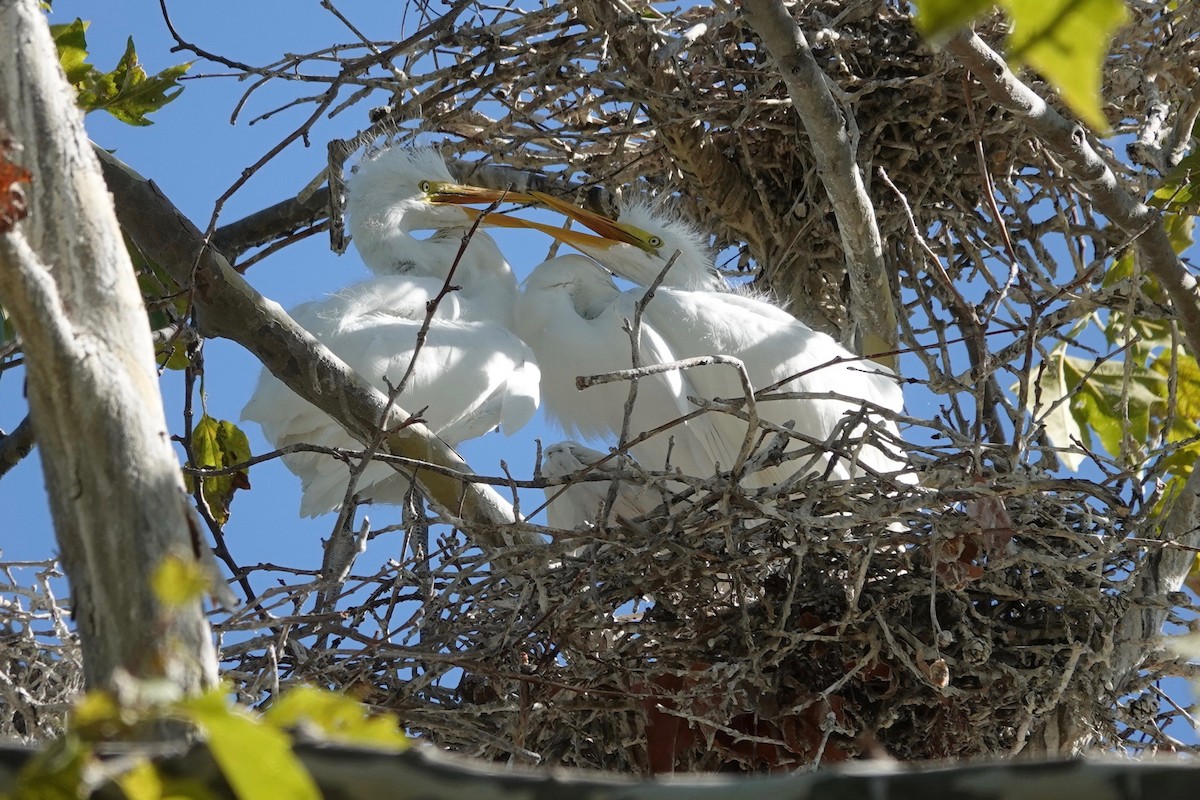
(975, 616)
(756, 632)
(41, 671)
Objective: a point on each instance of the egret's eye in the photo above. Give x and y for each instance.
(425, 186)
(656, 241)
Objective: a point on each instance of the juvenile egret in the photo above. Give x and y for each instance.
(572, 316)
(472, 373)
(579, 504)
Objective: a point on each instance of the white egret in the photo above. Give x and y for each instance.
(579, 504)
(571, 315)
(472, 373)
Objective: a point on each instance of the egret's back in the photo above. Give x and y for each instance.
(469, 377)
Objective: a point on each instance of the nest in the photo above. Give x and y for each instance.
(41, 670)
(980, 613)
(754, 630)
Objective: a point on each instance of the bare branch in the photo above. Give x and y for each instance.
(1069, 142)
(16, 445)
(835, 148)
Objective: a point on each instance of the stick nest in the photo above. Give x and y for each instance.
(978, 614)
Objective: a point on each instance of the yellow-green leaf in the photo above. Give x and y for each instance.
(55, 773)
(126, 92)
(338, 717)
(1180, 190)
(71, 41)
(174, 356)
(1067, 41)
(937, 19)
(256, 759)
(94, 709)
(141, 782)
(178, 582)
(217, 444)
(1059, 422)
(1179, 230)
(1097, 400)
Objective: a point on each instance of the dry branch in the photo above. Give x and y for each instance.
(835, 148)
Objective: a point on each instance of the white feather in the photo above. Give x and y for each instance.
(572, 318)
(579, 504)
(472, 373)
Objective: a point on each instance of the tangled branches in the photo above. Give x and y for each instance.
(979, 613)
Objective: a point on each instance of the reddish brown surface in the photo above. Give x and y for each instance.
(673, 742)
(12, 194)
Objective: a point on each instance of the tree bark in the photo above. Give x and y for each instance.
(871, 307)
(116, 491)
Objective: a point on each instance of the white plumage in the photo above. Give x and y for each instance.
(571, 314)
(472, 373)
(579, 504)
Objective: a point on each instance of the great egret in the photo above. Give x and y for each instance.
(572, 317)
(472, 373)
(579, 504)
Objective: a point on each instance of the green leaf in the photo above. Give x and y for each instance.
(256, 759)
(338, 717)
(55, 773)
(141, 782)
(178, 582)
(71, 41)
(1067, 42)
(1180, 190)
(1060, 423)
(217, 444)
(1179, 230)
(938, 19)
(126, 92)
(1097, 400)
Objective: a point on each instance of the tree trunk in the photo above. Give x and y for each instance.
(116, 492)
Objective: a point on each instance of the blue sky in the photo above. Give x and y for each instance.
(194, 154)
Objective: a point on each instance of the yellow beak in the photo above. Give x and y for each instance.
(606, 227)
(608, 230)
(462, 194)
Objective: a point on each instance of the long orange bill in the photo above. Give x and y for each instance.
(606, 227)
(462, 194)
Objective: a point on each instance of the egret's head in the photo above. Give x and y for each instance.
(587, 285)
(387, 194)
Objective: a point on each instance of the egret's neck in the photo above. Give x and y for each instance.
(694, 277)
(388, 248)
(591, 297)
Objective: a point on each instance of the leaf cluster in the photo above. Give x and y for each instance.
(253, 751)
(126, 91)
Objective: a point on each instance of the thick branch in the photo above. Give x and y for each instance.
(116, 493)
(1069, 143)
(287, 216)
(227, 306)
(871, 305)
(358, 772)
(16, 445)
(1161, 573)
